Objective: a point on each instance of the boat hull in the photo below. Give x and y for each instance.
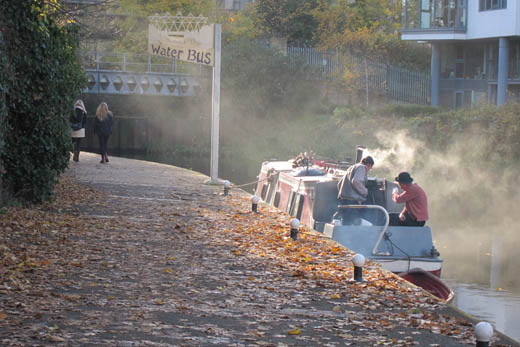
(399, 250)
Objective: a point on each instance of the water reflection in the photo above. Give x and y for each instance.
(501, 308)
(481, 267)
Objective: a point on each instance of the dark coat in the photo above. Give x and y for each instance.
(78, 116)
(104, 127)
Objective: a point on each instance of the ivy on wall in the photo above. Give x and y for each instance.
(3, 108)
(41, 81)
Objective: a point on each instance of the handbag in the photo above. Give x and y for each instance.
(76, 126)
(79, 124)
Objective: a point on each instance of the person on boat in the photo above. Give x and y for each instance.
(415, 211)
(352, 188)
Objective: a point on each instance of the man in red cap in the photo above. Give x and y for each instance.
(415, 211)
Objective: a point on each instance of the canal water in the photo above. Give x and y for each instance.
(480, 265)
(482, 269)
(501, 308)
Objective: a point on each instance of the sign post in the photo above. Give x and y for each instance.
(191, 39)
(215, 106)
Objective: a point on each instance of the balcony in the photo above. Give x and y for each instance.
(421, 16)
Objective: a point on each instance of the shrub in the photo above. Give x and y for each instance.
(3, 109)
(42, 80)
(259, 81)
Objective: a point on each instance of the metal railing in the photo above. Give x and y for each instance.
(138, 63)
(396, 83)
(385, 226)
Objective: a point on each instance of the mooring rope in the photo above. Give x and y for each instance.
(250, 183)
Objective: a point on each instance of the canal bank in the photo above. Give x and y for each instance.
(134, 252)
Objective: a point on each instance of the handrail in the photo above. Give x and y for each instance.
(377, 207)
(137, 62)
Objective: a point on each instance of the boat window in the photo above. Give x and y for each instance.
(295, 206)
(301, 200)
(272, 189)
(263, 194)
(276, 202)
(290, 203)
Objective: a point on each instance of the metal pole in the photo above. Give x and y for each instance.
(215, 106)
(503, 57)
(366, 80)
(435, 74)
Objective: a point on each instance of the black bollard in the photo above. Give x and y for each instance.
(254, 203)
(295, 224)
(227, 185)
(358, 260)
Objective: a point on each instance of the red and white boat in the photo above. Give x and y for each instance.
(306, 188)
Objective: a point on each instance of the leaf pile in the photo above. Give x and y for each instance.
(120, 262)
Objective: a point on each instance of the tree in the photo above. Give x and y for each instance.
(42, 79)
(133, 19)
(291, 19)
(369, 28)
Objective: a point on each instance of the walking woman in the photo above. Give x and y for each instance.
(78, 119)
(103, 129)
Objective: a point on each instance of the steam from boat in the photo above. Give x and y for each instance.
(472, 205)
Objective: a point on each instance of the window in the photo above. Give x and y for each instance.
(487, 5)
(463, 99)
(276, 202)
(448, 61)
(295, 205)
(474, 62)
(459, 62)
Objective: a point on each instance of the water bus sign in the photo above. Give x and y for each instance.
(186, 38)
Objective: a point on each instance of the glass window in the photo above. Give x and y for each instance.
(514, 59)
(486, 5)
(448, 61)
(425, 14)
(411, 12)
(459, 70)
(474, 62)
(460, 52)
(468, 98)
(491, 61)
(459, 100)
(460, 62)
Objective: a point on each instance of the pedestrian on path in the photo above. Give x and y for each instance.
(103, 129)
(78, 119)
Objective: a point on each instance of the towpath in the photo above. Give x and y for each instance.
(134, 253)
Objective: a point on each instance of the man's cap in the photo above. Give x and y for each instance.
(404, 177)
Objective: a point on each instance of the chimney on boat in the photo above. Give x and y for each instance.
(359, 153)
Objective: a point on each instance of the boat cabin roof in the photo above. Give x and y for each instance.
(316, 173)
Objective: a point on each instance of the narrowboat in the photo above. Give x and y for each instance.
(307, 188)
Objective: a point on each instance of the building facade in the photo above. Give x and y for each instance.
(475, 48)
